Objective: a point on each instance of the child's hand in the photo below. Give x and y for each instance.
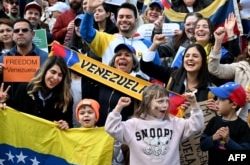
(216, 135)
(211, 104)
(63, 125)
(224, 133)
(190, 96)
(123, 102)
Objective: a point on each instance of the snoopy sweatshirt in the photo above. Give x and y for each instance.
(154, 141)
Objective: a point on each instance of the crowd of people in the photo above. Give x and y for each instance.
(213, 62)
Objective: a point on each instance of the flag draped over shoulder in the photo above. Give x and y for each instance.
(26, 139)
(217, 11)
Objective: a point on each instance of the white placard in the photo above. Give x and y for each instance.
(168, 29)
(119, 2)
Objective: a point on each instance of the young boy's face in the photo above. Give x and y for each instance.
(159, 107)
(225, 106)
(87, 117)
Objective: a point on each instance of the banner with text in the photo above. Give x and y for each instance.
(100, 72)
(20, 68)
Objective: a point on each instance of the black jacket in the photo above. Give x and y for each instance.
(24, 103)
(177, 83)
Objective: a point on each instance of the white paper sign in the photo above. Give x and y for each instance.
(119, 2)
(168, 29)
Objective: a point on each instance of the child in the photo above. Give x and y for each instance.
(227, 131)
(87, 114)
(153, 135)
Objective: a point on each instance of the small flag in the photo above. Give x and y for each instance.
(70, 56)
(175, 102)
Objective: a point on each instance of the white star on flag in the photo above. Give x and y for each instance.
(34, 161)
(10, 156)
(21, 157)
(1, 161)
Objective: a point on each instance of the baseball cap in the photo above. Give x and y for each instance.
(232, 91)
(59, 6)
(35, 5)
(90, 102)
(158, 3)
(125, 46)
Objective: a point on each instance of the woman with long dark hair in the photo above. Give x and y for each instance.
(48, 94)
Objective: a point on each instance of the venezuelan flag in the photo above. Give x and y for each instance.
(175, 102)
(217, 11)
(26, 139)
(69, 56)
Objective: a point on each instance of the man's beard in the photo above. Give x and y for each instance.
(75, 5)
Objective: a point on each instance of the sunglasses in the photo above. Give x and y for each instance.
(25, 30)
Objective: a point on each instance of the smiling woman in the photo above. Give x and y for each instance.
(6, 34)
(48, 94)
(192, 75)
(126, 61)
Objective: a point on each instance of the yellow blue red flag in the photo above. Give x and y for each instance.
(217, 12)
(26, 139)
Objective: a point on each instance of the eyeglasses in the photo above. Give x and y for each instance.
(14, 2)
(25, 30)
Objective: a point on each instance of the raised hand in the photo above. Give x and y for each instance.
(219, 34)
(159, 23)
(157, 41)
(122, 102)
(93, 4)
(3, 93)
(229, 24)
(3, 96)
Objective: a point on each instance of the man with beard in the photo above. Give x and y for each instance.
(103, 44)
(65, 21)
(13, 8)
(33, 13)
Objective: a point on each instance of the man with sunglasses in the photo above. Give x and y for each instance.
(13, 8)
(22, 36)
